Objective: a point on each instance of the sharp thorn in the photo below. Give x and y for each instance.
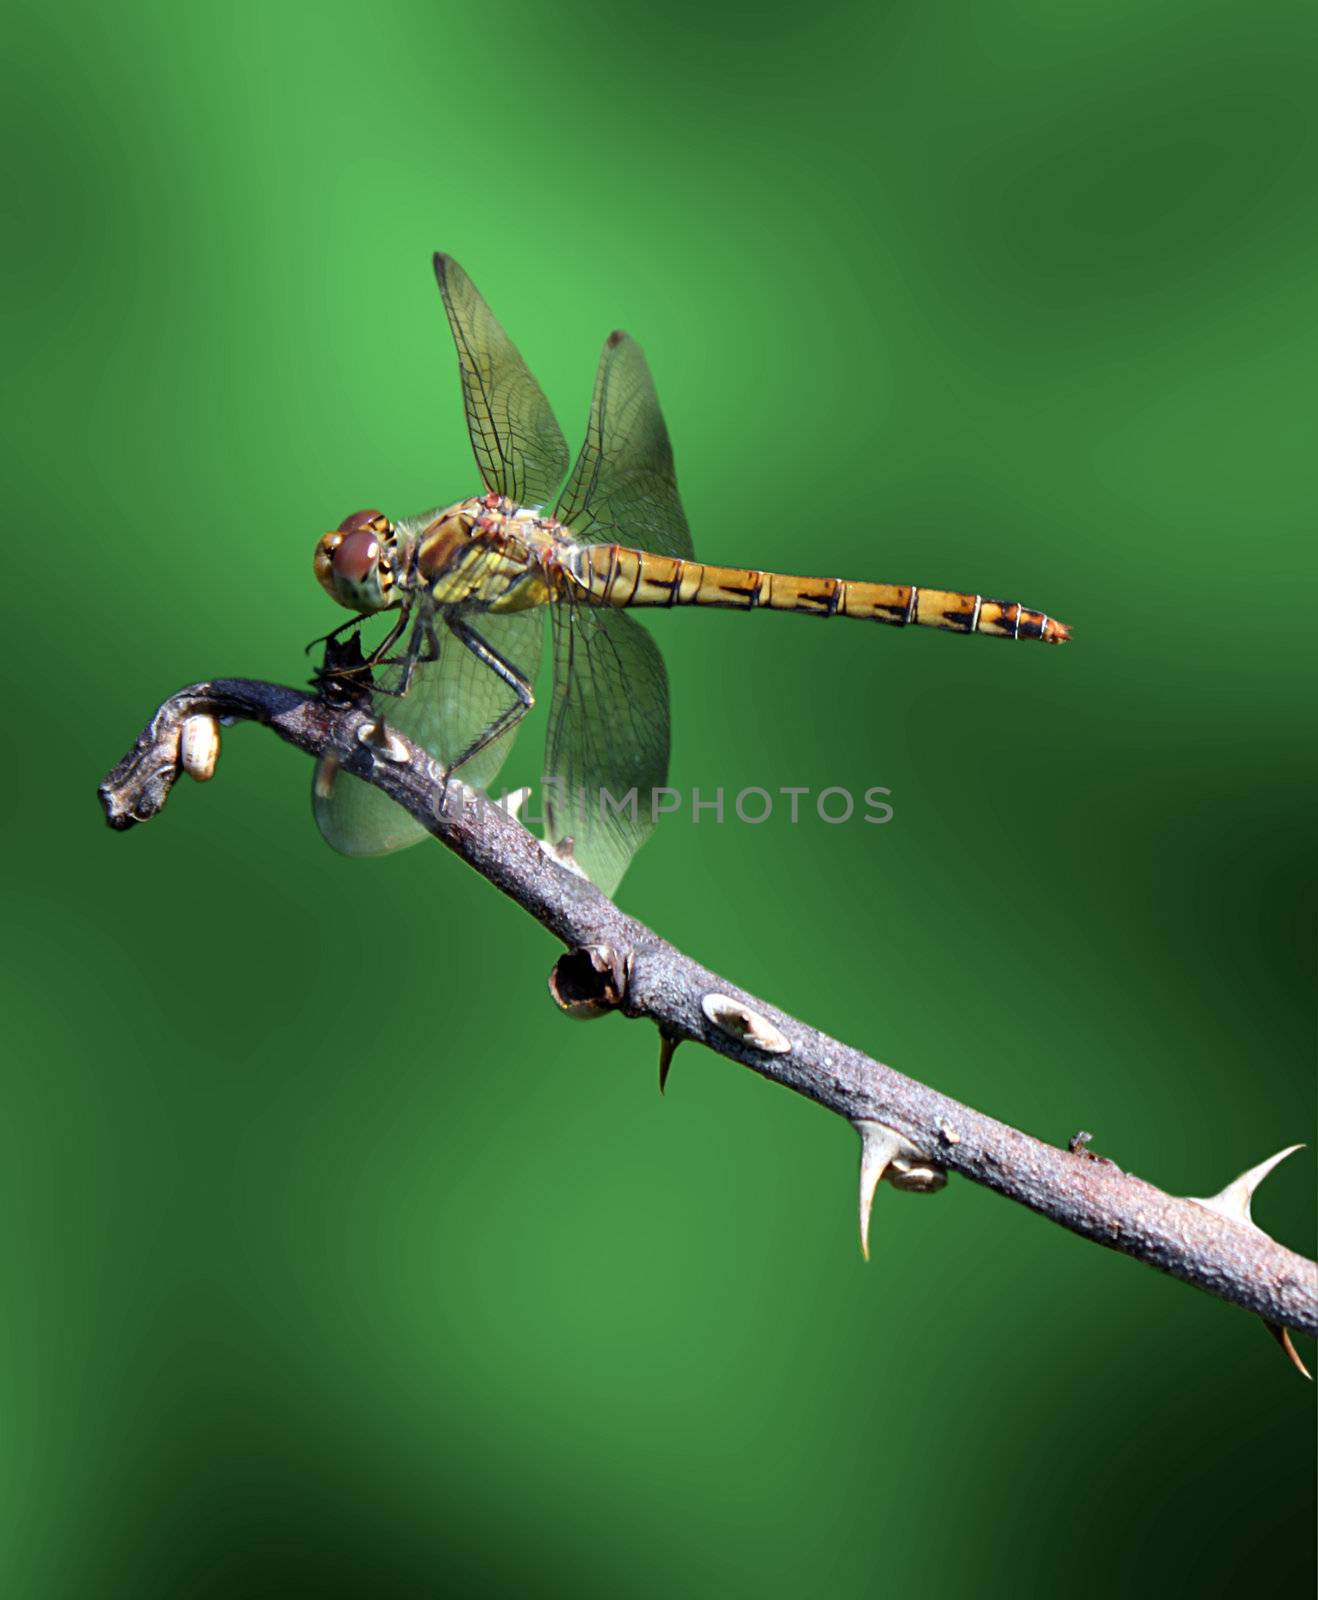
(1283, 1338)
(513, 803)
(1233, 1202)
(668, 1043)
(878, 1145)
(380, 739)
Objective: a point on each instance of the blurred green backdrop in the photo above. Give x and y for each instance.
(338, 1262)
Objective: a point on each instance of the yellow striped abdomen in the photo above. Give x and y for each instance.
(616, 576)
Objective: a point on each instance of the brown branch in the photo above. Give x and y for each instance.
(637, 972)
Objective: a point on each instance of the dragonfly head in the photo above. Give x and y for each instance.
(357, 563)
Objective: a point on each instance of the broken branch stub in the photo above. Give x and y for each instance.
(589, 981)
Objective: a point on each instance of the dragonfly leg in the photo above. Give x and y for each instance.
(377, 656)
(488, 656)
(425, 647)
(364, 667)
(422, 647)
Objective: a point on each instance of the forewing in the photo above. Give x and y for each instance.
(450, 703)
(519, 447)
(607, 749)
(623, 489)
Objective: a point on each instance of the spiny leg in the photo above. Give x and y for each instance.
(423, 646)
(489, 657)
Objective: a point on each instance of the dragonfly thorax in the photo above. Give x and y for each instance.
(443, 534)
(483, 553)
(358, 563)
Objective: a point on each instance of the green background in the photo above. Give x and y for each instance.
(337, 1262)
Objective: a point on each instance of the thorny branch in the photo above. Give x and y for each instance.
(913, 1133)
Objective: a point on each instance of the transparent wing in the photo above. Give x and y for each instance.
(462, 697)
(451, 702)
(356, 818)
(623, 489)
(607, 749)
(519, 447)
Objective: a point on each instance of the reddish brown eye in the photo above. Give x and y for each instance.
(363, 519)
(357, 554)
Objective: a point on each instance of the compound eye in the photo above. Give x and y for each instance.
(376, 521)
(357, 554)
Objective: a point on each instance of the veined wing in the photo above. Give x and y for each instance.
(623, 489)
(519, 446)
(450, 703)
(607, 749)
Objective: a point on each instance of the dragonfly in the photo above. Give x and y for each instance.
(470, 584)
